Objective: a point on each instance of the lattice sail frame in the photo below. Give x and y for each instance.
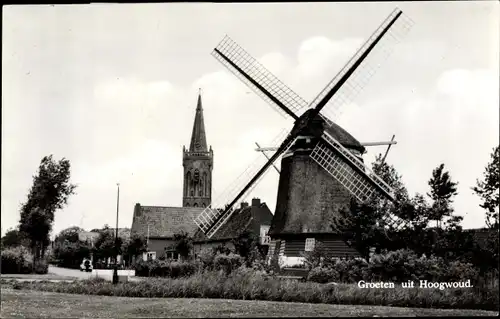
(213, 216)
(339, 163)
(260, 74)
(367, 69)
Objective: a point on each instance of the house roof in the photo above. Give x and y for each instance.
(164, 222)
(243, 219)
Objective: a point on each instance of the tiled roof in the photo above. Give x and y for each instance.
(164, 222)
(243, 219)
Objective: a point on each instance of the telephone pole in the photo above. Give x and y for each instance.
(115, 269)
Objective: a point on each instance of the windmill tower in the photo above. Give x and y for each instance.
(321, 163)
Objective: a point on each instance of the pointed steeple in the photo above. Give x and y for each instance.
(198, 137)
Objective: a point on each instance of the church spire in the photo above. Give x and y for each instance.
(198, 137)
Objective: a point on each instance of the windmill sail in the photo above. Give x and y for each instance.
(348, 169)
(380, 46)
(259, 79)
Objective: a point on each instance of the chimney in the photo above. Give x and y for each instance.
(256, 202)
(244, 204)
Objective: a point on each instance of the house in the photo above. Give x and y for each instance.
(159, 224)
(255, 219)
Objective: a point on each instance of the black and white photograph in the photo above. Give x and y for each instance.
(245, 159)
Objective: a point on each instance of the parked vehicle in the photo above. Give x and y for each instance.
(86, 265)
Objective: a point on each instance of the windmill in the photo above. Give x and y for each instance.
(325, 149)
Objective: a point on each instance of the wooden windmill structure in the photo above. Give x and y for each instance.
(321, 163)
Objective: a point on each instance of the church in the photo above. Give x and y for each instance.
(159, 224)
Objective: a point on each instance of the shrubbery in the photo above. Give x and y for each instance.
(19, 260)
(228, 263)
(162, 268)
(395, 266)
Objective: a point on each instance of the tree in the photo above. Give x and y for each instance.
(134, 246)
(245, 245)
(442, 191)
(69, 234)
(488, 189)
(49, 192)
(106, 246)
(183, 244)
(13, 238)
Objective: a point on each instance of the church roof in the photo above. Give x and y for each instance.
(248, 218)
(164, 222)
(198, 136)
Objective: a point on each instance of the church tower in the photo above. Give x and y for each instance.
(198, 163)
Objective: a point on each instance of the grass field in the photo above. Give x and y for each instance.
(37, 304)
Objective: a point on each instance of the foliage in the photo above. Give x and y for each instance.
(488, 188)
(183, 244)
(222, 249)
(69, 234)
(70, 254)
(134, 246)
(161, 268)
(394, 266)
(49, 192)
(18, 260)
(442, 191)
(228, 263)
(14, 238)
(206, 257)
(246, 244)
(245, 284)
(106, 246)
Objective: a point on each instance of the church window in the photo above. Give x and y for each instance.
(203, 205)
(187, 183)
(205, 183)
(195, 205)
(192, 192)
(187, 205)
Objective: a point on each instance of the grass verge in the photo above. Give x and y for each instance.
(247, 285)
(36, 304)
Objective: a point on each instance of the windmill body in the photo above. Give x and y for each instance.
(308, 197)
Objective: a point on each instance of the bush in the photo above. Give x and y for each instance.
(206, 257)
(17, 260)
(41, 267)
(228, 263)
(161, 268)
(322, 275)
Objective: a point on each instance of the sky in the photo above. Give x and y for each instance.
(113, 88)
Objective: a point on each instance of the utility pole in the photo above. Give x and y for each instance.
(115, 270)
